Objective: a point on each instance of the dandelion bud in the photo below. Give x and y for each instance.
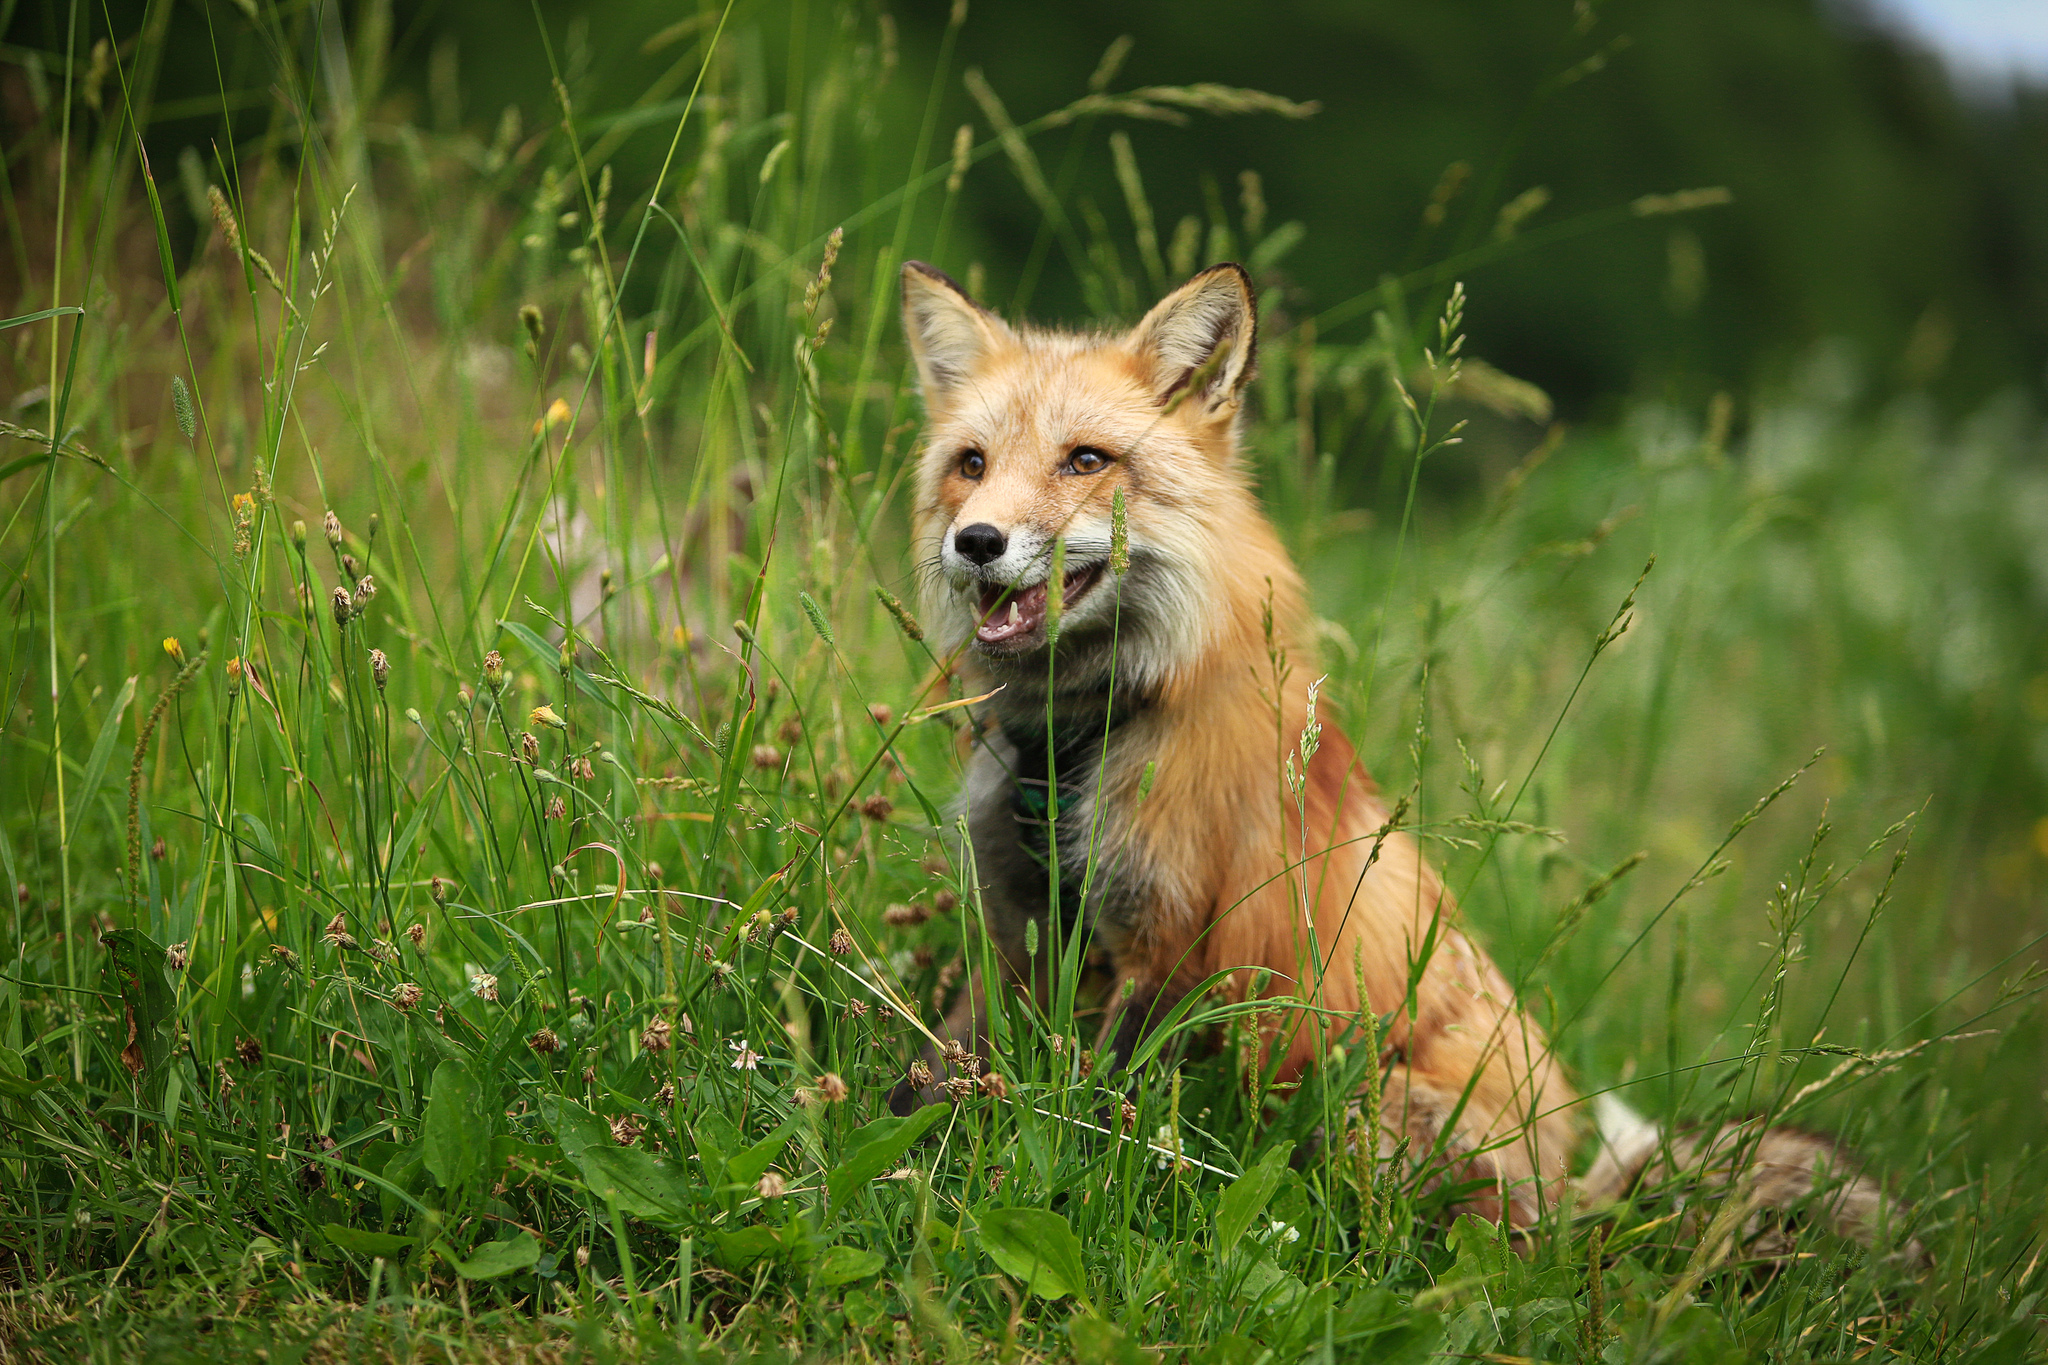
(375, 522)
(655, 1037)
(174, 649)
(545, 1042)
(343, 609)
(920, 1074)
(494, 671)
(299, 536)
(331, 524)
(841, 943)
(771, 1186)
(177, 956)
(365, 590)
(380, 668)
(529, 747)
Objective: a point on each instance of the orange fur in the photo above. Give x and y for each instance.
(1180, 666)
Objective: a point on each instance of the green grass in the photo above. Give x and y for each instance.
(679, 564)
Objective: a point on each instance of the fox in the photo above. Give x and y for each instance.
(1126, 771)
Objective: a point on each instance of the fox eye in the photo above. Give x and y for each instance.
(1087, 460)
(972, 463)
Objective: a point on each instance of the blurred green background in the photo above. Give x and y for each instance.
(1873, 203)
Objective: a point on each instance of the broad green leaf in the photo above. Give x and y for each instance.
(456, 1143)
(1246, 1198)
(844, 1265)
(1037, 1247)
(877, 1147)
(741, 1248)
(639, 1183)
(386, 1244)
(746, 1168)
(1267, 1285)
(136, 962)
(1097, 1341)
(493, 1259)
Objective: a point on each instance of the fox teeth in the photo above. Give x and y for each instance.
(1015, 615)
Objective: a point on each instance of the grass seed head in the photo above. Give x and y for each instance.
(178, 956)
(831, 1087)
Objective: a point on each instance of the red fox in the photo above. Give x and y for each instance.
(1137, 739)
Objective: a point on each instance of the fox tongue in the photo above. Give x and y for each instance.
(1021, 615)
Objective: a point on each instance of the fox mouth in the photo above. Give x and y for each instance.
(1021, 618)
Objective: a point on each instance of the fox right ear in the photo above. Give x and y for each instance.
(949, 332)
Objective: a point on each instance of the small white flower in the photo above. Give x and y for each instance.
(744, 1057)
(1280, 1234)
(483, 986)
(1167, 1149)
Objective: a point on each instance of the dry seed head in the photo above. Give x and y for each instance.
(831, 1087)
(545, 1042)
(958, 1087)
(351, 567)
(994, 1086)
(905, 916)
(920, 1074)
(529, 747)
(744, 1058)
(584, 770)
(666, 1096)
(178, 956)
(626, 1130)
(331, 525)
(557, 809)
(881, 713)
(655, 1037)
(944, 902)
(156, 850)
(953, 1053)
(771, 1186)
(484, 986)
(856, 1009)
(766, 757)
(249, 1053)
(380, 668)
(342, 608)
(494, 671)
(876, 807)
(841, 943)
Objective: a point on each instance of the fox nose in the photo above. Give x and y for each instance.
(980, 543)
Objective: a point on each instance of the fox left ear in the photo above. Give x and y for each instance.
(1203, 335)
(950, 334)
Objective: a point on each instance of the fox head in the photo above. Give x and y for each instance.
(1029, 435)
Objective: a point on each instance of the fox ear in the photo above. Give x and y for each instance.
(949, 333)
(1203, 334)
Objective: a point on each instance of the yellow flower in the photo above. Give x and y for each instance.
(545, 715)
(558, 414)
(174, 649)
